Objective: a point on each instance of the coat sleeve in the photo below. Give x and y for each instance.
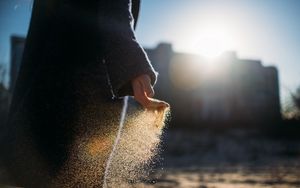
(124, 57)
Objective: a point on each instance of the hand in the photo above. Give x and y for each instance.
(142, 89)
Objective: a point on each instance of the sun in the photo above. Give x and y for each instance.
(213, 41)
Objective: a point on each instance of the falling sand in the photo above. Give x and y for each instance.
(112, 153)
(119, 156)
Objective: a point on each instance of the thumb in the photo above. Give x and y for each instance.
(148, 89)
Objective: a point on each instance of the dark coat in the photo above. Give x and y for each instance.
(78, 54)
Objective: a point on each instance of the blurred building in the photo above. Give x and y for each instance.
(226, 91)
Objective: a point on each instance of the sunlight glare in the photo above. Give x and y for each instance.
(213, 41)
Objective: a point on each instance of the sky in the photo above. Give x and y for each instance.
(268, 30)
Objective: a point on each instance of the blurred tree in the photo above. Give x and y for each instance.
(3, 89)
(291, 106)
(296, 98)
(4, 95)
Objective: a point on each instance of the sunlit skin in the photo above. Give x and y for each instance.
(143, 92)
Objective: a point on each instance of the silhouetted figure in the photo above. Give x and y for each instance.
(78, 55)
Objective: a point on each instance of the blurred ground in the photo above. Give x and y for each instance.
(226, 177)
(235, 158)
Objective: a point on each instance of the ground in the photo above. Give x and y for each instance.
(232, 159)
(226, 177)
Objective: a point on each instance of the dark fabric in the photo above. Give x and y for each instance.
(63, 81)
(135, 9)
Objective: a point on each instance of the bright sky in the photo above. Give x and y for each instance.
(268, 30)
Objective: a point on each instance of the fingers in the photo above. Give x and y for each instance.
(139, 93)
(143, 93)
(142, 89)
(146, 82)
(157, 104)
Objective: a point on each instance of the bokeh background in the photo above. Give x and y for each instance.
(231, 72)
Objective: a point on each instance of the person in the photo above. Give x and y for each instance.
(80, 57)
